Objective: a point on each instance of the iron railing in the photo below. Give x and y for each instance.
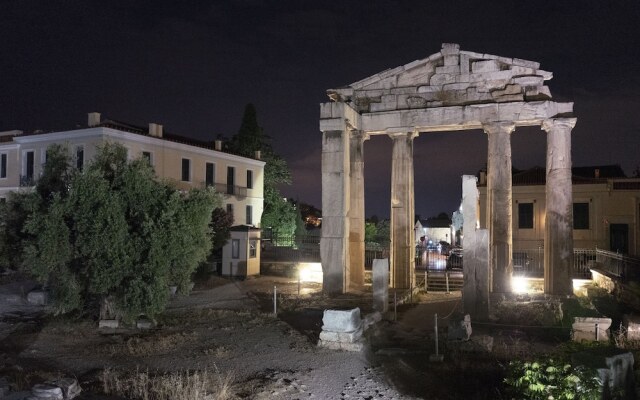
(623, 266)
(232, 190)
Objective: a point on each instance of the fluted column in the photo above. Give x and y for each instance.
(558, 231)
(355, 266)
(334, 244)
(402, 211)
(499, 207)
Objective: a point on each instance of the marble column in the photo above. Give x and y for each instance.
(499, 207)
(402, 211)
(558, 230)
(334, 244)
(355, 266)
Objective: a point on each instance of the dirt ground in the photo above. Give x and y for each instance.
(228, 327)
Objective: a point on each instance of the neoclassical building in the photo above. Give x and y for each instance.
(450, 90)
(186, 162)
(606, 209)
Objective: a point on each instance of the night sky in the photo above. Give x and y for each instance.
(193, 65)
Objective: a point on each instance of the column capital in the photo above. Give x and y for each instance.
(396, 133)
(558, 123)
(498, 126)
(358, 134)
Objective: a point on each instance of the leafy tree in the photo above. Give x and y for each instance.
(301, 228)
(19, 205)
(370, 232)
(278, 214)
(221, 221)
(120, 233)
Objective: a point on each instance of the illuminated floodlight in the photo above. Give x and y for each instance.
(310, 272)
(519, 285)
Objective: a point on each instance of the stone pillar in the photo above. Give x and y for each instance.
(355, 266)
(334, 243)
(558, 230)
(499, 207)
(475, 245)
(402, 212)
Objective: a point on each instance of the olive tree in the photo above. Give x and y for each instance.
(117, 231)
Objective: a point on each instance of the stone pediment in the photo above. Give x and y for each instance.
(451, 77)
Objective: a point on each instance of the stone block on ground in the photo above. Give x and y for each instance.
(46, 391)
(614, 368)
(357, 346)
(144, 323)
(631, 325)
(69, 386)
(345, 337)
(459, 327)
(108, 323)
(341, 330)
(590, 329)
(38, 297)
(341, 320)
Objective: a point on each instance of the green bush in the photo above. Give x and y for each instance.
(114, 230)
(550, 379)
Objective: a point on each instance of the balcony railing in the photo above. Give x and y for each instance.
(231, 190)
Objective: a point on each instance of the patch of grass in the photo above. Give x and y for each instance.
(183, 385)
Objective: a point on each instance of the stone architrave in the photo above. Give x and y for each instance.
(402, 211)
(558, 233)
(355, 267)
(499, 207)
(475, 245)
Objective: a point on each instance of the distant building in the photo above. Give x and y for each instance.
(185, 162)
(434, 230)
(606, 208)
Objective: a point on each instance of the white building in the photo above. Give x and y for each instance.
(186, 162)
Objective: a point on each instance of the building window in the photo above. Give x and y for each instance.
(252, 248)
(3, 165)
(210, 174)
(249, 179)
(230, 211)
(525, 215)
(580, 215)
(79, 157)
(28, 169)
(186, 170)
(235, 248)
(231, 179)
(249, 215)
(146, 155)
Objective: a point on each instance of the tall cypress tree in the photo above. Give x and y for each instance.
(278, 214)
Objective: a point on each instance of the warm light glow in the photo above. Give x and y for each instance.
(580, 286)
(310, 272)
(519, 284)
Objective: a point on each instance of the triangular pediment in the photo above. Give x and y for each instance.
(446, 78)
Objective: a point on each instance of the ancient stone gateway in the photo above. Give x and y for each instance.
(449, 90)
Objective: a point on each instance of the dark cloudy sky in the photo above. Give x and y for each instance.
(193, 65)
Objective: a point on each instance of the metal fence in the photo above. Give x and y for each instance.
(301, 248)
(530, 262)
(625, 267)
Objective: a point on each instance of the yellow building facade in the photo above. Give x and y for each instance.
(606, 209)
(184, 162)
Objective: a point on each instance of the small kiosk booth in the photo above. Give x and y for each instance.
(241, 254)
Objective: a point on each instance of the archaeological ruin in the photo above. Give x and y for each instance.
(450, 90)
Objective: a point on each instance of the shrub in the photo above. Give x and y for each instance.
(549, 379)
